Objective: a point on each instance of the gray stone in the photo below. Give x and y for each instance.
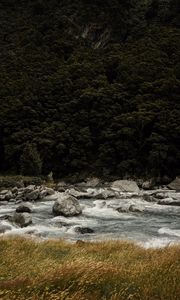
(123, 209)
(9, 195)
(67, 206)
(134, 208)
(24, 207)
(29, 188)
(22, 219)
(46, 192)
(2, 198)
(125, 186)
(4, 192)
(149, 198)
(32, 196)
(160, 195)
(169, 201)
(14, 190)
(175, 184)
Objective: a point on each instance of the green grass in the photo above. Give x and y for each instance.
(92, 271)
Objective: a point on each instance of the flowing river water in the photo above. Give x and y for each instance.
(153, 225)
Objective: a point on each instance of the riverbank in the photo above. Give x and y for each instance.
(108, 270)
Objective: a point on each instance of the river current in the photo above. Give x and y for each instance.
(154, 225)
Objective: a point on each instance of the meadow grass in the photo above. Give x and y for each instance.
(114, 270)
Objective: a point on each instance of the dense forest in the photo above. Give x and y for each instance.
(90, 87)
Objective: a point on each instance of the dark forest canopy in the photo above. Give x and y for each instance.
(90, 86)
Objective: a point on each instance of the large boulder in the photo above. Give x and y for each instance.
(67, 206)
(125, 186)
(22, 219)
(175, 184)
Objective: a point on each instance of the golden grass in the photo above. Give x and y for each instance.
(91, 271)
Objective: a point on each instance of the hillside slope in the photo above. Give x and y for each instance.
(90, 86)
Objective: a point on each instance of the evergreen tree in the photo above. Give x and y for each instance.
(30, 161)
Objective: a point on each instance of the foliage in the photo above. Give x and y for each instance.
(30, 161)
(94, 84)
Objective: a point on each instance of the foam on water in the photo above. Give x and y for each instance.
(158, 243)
(168, 231)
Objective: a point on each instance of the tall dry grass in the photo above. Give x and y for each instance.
(91, 271)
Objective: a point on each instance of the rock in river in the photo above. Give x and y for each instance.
(125, 186)
(66, 205)
(22, 219)
(24, 207)
(84, 230)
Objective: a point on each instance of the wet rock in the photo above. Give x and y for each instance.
(29, 188)
(67, 206)
(175, 184)
(12, 200)
(46, 192)
(4, 228)
(123, 209)
(134, 208)
(105, 194)
(125, 186)
(2, 198)
(19, 201)
(32, 196)
(5, 217)
(24, 207)
(9, 195)
(14, 190)
(149, 198)
(79, 195)
(169, 201)
(4, 192)
(84, 230)
(20, 196)
(22, 219)
(160, 195)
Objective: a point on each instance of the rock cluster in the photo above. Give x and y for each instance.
(30, 193)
